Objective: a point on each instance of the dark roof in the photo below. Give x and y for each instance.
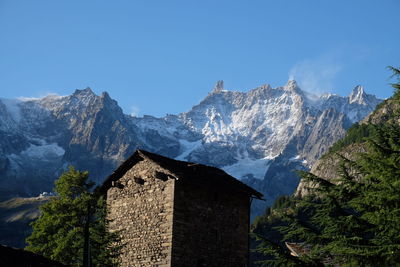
(185, 170)
(17, 257)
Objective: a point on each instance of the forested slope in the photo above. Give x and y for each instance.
(346, 210)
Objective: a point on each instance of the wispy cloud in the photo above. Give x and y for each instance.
(316, 75)
(24, 98)
(134, 111)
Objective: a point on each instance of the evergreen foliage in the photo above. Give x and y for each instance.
(283, 202)
(58, 233)
(352, 220)
(396, 86)
(355, 134)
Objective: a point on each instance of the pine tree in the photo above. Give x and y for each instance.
(59, 232)
(379, 201)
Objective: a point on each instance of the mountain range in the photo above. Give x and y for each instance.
(259, 136)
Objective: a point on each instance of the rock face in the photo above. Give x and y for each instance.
(83, 129)
(386, 112)
(328, 166)
(258, 136)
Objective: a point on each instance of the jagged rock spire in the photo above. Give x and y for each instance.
(219, 86)
(291, 85)
(86, 91)
(357, 95)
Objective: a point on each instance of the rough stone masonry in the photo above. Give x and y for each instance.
(175, 213)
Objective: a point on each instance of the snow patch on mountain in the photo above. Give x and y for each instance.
(36, 152)
(187, 148)
(295, 158)
(13, 108)
(43, 151)
(247, 167)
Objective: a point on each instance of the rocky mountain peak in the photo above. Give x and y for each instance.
(357, 95)
(266, 86)
(291, 85)
(105, 98)
(83, 97)
(86, 91)
(219, 86)
(105, 95)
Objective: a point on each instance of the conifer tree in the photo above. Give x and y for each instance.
(58, 233)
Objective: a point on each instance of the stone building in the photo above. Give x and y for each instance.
(175, 213)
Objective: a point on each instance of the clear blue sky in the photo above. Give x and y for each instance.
(158, 57)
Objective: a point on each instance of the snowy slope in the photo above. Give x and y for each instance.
(242, 132)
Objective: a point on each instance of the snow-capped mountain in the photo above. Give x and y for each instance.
(258, 136)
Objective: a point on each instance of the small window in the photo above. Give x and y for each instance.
(139, 180)
(162, 176)
(117, 184)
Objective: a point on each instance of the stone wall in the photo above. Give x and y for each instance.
(140, 207)
(210, 226)
(165, 220)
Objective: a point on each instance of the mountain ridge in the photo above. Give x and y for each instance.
(353, 144)
(250, 134)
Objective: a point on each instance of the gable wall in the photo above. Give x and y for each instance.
(210, 226)
(143, 215)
